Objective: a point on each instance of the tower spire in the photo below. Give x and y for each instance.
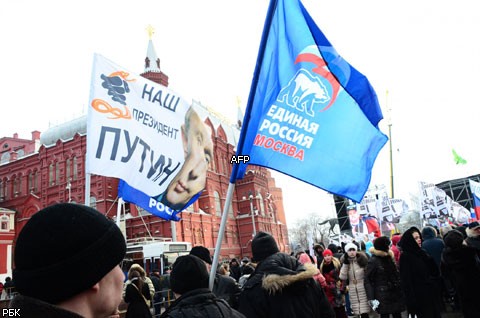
(152, 62)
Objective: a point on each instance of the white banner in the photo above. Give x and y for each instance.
(148, 136)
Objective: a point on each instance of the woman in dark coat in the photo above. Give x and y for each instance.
(461, 265)
(382, 280)
(136, 294)
(420, 276)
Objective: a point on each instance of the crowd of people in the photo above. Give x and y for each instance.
(416, 272)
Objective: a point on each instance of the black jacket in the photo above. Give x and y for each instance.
(34, 308)
(200, 303)
(420, 278)
(462, 266)
(137, 307)
(227, 288)
(473, 240)
(382, 282)
(283, 287)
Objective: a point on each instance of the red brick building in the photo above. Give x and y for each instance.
(50, 168)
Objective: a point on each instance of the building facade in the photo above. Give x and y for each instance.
(50, 168)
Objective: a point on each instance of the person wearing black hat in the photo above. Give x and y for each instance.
(473, 236)
(189, 281)
(281, 286)
(460, 265)
(420, 276)
(382, 280)
(224, 287)
(67, 260)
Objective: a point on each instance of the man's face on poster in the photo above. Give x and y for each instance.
(198, 148)
(353, 216)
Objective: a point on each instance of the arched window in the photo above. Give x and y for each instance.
(4, 223)
(4, 190)
(68, 168)
(218, 205)
(230, 210)
(57, 172)
(261, 203)
(51, 174)
(17, 185)
(5, 157)
(75, 168)
(93, 202)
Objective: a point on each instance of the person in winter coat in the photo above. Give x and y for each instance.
(382, 280)
(145, 278)
(461, 265)
(420, 277)
(67, 260)
(432, 244)
(330, 269)
(189, 282)
(224, 287)
(473, 236)
(318, 249)
(304, 258)
(235, 271)
(353, 270)
(136, 295)
(281, 286)
(247, 270)
(396, 252)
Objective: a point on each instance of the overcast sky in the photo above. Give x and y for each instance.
(425, 53)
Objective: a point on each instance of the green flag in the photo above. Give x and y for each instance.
(458, 160)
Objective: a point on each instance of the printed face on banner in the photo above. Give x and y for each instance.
(198, 148)
(149, 137)
(353, 216)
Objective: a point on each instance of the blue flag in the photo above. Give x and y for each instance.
(310, 114)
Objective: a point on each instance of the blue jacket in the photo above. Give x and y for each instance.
(432, 244)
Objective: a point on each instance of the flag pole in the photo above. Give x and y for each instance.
(221, 231)
(389, 111)
(87, 188)
(231, 186)
(256, 75)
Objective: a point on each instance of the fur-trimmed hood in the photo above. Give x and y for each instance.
(361, 258)
(280, 271)
(471, 233)
(380, 253)
(274, 283)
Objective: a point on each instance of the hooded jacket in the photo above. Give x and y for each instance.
(382, 282)
(396, 252)
(432, 244)
(461, 265)
(354, 272)
(473, 239)
(282, 287)
(420, 277)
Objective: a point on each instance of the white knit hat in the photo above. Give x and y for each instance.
(350, 246)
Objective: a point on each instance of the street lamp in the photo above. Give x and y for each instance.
(250, 197)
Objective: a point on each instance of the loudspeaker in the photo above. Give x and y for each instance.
(341, 205)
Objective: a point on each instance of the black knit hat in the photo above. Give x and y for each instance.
(453, 239)
(202, 252)
(263, 245)
(65, 249)
(382, 243)
(189, 272)
(473, 225)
